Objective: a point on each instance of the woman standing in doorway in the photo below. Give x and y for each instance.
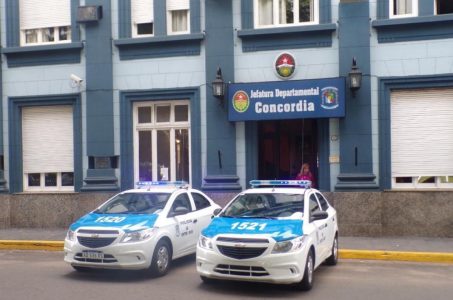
(306, 174)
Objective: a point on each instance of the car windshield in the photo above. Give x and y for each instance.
(134, 203)
(265, 205)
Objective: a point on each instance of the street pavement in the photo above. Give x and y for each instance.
(422, 249)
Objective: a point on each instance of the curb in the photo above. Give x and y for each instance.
(432, 257)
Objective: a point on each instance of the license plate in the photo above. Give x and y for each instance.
(93, 254)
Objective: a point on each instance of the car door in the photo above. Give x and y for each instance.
(321, 227)
(203, 212)
(181, 212)
(331, 220)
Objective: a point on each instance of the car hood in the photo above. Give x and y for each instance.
(126, 222)
(279, 230)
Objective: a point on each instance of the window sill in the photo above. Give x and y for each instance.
(160, 46)
(278, 38)
(414, 28)
(65, 53)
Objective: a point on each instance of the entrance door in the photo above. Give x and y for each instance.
(284, 145)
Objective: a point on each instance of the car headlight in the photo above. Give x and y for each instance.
(70, 235)
(137, 236)
(205, 243)
(289, 246)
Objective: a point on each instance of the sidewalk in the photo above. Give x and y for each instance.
(382, 248)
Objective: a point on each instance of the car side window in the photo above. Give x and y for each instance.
(181, 200)
(322, 202)
(314, 206)
(200, 201)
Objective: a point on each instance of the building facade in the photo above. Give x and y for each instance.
(99, 94)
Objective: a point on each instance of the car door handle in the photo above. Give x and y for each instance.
(195, 221)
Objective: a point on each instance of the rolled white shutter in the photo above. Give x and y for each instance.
(44, 13)
(142, 11)
(422, 132)
(178, 4)
(47, 139)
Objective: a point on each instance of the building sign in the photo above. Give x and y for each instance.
(285, 65)
(296, 99)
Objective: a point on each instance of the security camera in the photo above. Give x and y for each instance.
(76, 79)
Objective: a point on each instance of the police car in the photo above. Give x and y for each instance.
(143, 228)
(275, 232)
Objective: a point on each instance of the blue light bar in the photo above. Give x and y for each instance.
(281, 183)
(150, 184)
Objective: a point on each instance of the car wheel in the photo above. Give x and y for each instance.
(333, 258)
(307, 281)
(161, 259)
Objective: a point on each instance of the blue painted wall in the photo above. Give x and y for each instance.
(356, 161)
(221, 134)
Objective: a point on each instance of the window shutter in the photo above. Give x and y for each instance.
(178, 4)
(47, 139)
(142, 11)
(44, 13)
(421, 132)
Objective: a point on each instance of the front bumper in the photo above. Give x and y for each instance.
(285, 268)
(132, 256)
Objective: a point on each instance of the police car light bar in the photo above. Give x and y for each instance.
(150, 184)
(281, 183)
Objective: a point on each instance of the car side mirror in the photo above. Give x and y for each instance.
(216, 212)
(179, 211)
(318, 215)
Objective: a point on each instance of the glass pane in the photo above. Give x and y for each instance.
(179, 20)
(286, 11)
(144, 114)
(181, 113)
(50, 179)
(426, 179)
(64, 33)
(163, 113)
(34, 179)
(48, 35)
(31, 36)
(265, 12)
(402, 7)
(182, 154)
(144, 156)
(446, 179)
(306, 13)
(67, 179)
(403, 179)
(163, 155)
(145, 28)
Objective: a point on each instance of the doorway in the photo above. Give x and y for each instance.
(283, 145)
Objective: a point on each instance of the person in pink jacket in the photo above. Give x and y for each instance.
(306, 174)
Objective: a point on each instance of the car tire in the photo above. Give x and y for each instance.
(161, 259)
(307, 281)
(333, 258)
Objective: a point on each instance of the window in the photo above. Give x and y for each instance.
(181, 201)
(444, 7)
(44, 22)
(48, 150)
(200, 201)
(323, 202)
(162, 140)
(178, 15)
(270, 13)
(142, 18)
(403, 8)
(314, 206)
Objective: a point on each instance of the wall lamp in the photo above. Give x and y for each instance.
(355, 77)
(218, 86)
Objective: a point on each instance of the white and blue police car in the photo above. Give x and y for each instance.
(143, 228)
(275, 232)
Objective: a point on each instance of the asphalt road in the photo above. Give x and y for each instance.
(43, 275)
